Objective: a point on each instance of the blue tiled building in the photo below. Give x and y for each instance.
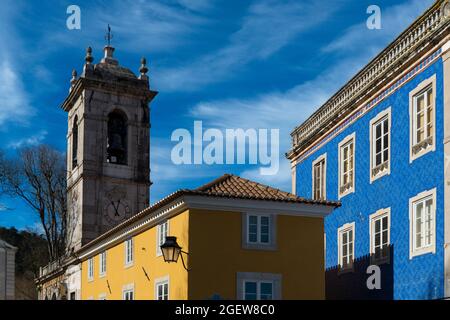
(381, 145)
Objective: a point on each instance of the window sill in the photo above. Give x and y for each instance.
(380, 261)
(347, 270)
(346, 193)
(422, 149)
(128, 265)
(102, 275)
(422, 252)
(380, 171)
(260, 247)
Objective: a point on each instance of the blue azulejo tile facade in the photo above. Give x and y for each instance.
(381, 146)
(420, 277)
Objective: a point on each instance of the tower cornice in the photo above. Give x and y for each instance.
(133, 87)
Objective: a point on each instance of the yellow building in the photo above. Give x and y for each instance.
(243, 240)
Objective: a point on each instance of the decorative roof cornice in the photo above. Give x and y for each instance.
(422, 35)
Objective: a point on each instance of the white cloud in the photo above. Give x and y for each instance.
(285, 110)
(14, 105)
(14, 101)
(268, 27)
(137, 25)
(29, 141)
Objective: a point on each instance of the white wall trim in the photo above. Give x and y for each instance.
(431, 249)
(269, 207)
(294, 179)
(423, 85)
(385, 113)
(158, 235)
(126, 243)
(272, 245)
(378, 214)
(160, 281)
(346, 140)
(126, 288)
(275, 278)
(323, 158)
(342, 229)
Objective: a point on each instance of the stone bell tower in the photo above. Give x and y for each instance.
(108, 141)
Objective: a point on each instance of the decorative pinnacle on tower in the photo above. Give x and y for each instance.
(89, 58)
(73, 80)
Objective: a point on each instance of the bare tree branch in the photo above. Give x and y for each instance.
(38, 176)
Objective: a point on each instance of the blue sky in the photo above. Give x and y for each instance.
(232, 64)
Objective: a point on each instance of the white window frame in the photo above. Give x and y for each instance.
(385, 168)
(323, 179)
(342, 144)
(345, 228)
(425, 145)
(102, 296)
(102, 264)
(380, 214)
(90, 269)
(422, 197)
(273, 278)
(246, 244)
(159, 282)
(126, 289)
(129, 252)
(164, 224)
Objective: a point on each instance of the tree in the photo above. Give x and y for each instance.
(37, 175)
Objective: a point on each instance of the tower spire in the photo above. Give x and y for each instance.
(109, 50)
(109, 36)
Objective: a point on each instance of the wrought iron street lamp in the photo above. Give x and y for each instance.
(171, 251)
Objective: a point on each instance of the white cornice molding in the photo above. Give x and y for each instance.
(206, 203)
(414, 40)
(258, 206)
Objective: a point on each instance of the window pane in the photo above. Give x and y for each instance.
(378, 145)
(250, 291)
(378, 131)
(420, 103)
(378, 159)
(266, 291)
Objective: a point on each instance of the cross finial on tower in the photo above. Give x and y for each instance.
(109, 35)
(143, 69)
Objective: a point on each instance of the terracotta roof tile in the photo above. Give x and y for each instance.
(231, 186)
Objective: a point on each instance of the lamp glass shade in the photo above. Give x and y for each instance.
(171, 250)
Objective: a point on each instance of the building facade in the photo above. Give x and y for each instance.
(243, 241)
(264, 243)
(7, 271)
(381, 147)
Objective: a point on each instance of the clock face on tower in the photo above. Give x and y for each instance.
(116, 211)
